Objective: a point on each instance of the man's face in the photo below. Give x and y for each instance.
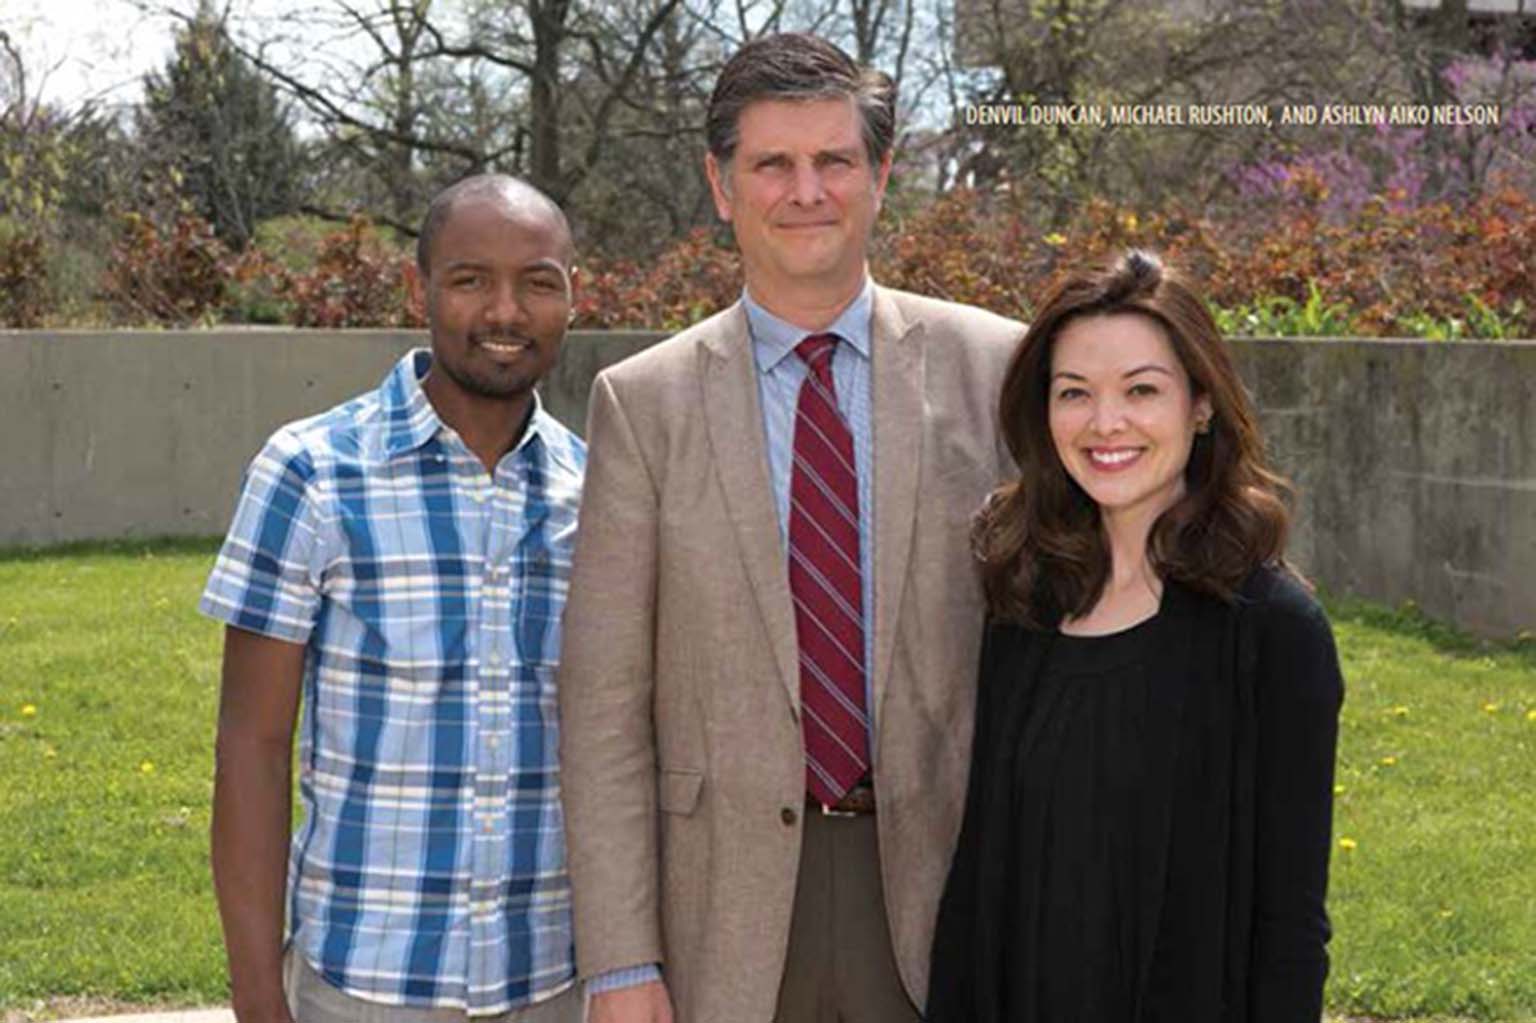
(800, 194)
(498, 296)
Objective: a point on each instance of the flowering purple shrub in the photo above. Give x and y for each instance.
(1407, 165)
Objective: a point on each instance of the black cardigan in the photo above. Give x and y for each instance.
(1245, 739)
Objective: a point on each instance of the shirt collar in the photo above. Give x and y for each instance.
(408, 418)
(408, 415)
(774, 339)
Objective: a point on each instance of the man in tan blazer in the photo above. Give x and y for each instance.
(724, 870)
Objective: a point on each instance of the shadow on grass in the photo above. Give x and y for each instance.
(1408, 620)
(135, 548)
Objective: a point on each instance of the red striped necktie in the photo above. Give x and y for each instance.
(825, 581)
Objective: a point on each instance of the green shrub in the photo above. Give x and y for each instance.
(293, 243)
(77, 262)
(1281, 316)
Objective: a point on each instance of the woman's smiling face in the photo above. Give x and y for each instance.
(1122, 413)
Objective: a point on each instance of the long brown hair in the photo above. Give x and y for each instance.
(1042, 548)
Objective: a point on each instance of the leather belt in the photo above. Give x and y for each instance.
(858, 801)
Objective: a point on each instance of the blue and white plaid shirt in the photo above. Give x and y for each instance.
(429, 869)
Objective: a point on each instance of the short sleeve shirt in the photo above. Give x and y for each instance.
(429, 869)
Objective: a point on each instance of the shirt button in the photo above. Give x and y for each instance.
(492, 741)
(788, 816)
(488, 824)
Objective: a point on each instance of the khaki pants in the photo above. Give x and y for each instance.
(312, 999)
(840, 967)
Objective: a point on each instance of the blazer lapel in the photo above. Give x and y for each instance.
(734, 418)
(896, 389)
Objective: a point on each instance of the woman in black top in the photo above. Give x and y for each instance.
(1146, 831)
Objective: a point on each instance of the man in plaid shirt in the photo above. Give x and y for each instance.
(401, 561)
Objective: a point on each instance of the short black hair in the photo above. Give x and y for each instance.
(482, 186)
(799, 66)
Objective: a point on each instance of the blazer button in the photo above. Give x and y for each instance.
(788, 816)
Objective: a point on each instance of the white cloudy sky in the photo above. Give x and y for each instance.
(96, 49)
(100, 49)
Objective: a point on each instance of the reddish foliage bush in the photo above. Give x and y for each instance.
(170, 271)
(23, 279)
(1388, 267)
(968, 248)
(955, 249)
(1390, 262)
(358, 281)
(692, 279)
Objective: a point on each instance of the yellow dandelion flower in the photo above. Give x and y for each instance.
(1055, 238)
(29, 710)
(1339, 790)
(1446, 914)
(1387, 761)
(147, 767)
(1490, 707)
(1530, 715)
(49, 753)
(1348, 844)
(1399, 711)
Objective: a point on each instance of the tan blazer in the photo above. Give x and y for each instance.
(683, 772)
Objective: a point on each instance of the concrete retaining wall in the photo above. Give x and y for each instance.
(1416, 465)
(1416, 462)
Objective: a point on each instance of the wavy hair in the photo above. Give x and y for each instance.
(1043, 551)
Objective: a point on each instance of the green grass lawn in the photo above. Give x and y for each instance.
(108, 687)
(1433, 891)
